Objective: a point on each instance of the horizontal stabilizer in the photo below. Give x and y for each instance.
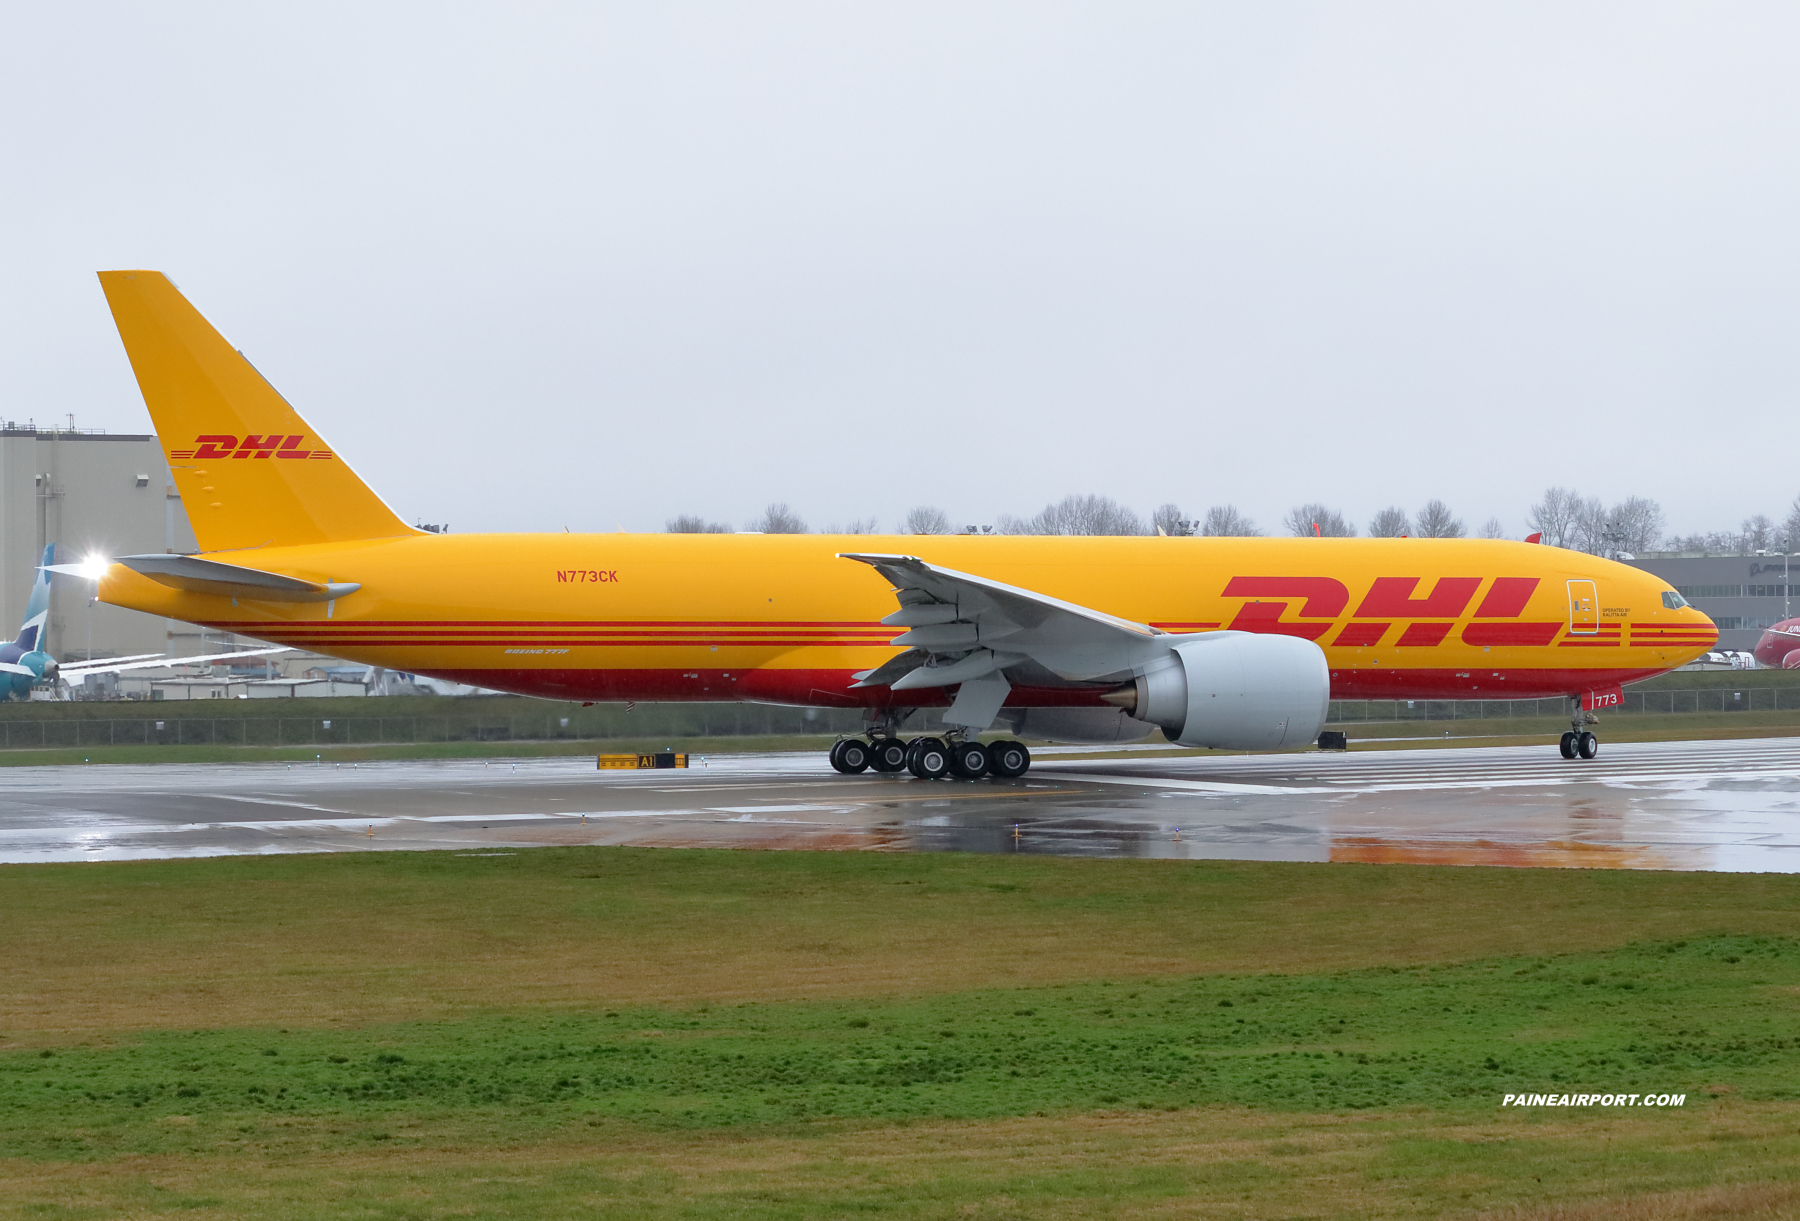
(232, 580)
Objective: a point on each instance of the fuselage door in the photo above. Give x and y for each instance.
(1584, 608)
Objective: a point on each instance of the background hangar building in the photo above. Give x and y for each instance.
(89, 492)
(1741, 594)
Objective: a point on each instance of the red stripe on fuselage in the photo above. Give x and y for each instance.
(831, 688)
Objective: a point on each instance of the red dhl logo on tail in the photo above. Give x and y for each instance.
(272, 445)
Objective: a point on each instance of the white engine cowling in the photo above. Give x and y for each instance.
(1238, 691)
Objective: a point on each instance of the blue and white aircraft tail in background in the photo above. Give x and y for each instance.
(24, 662)
(25, 665)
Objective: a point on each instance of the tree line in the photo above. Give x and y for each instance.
(1562, 518)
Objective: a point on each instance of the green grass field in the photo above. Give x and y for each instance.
(624, 1032)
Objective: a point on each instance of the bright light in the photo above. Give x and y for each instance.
(94, 567)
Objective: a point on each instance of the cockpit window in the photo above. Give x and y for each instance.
(1673, 600)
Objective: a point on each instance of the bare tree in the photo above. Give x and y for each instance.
(927, 520)
(1758, 533)
(1790, 541)
(1077, 515)
(1168, 519)
(1491, 528)
(1437, 521)
(1587, 531)
(1391, 522)
(1637, 521)
(689, 523)
(861, 525)
(1713, 542)
(1315, 519)
(1554, 516)
(779, 519)
(1224, 521)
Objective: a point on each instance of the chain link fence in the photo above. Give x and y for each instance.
(1744, 699)
(674, 721)
(650, 721)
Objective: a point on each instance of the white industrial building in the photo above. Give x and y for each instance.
(92, 492)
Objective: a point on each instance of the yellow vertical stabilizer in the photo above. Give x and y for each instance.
(251, 471)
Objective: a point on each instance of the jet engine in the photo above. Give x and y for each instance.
(18, 686)
(1234, 691)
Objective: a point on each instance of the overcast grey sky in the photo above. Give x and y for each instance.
(595, 265)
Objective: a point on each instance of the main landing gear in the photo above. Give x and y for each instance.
(1579, 742)
(931, 758)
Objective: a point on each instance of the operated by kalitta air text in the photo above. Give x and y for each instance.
(1594, 1100)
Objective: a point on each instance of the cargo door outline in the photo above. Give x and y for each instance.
(1584, 609)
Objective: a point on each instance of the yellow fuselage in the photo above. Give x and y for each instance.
(780, 618)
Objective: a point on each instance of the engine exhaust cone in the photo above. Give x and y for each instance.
(1125, 697)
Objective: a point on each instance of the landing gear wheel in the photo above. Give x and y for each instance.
(968, 760)
(1008, 759)
(928, 758)
(1568, 744)
(1587, 745)
(888, 755)
(850, 756)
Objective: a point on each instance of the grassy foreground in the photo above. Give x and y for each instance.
(695, 1034)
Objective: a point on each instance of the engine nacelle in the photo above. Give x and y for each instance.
(18, 686)
(1236, 691)
(1076, 724)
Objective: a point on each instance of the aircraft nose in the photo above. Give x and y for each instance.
(1703, 623)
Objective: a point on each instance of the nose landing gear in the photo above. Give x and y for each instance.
(1579, 742)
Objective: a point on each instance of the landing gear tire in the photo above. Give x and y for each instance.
(968, 760)
(1007, 759)
(1587, 745)
(888, 755)
(851, 755)
(1568, 744)
(928, 759)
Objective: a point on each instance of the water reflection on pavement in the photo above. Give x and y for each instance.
(1678, 805)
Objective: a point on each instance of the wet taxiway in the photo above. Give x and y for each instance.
(1674, 805)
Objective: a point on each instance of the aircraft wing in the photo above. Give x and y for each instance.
(113, 661)
(963, 627)
(82, 669)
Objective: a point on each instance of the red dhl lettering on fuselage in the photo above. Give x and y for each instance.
(210, 446)
(1424, 621)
